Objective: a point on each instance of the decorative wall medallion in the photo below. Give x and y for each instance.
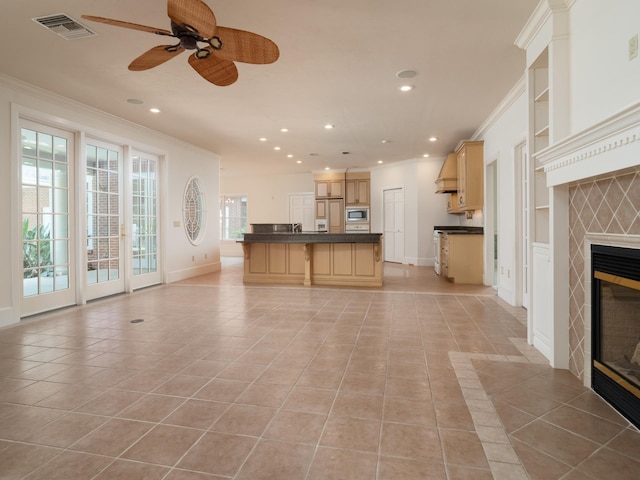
(194, 209)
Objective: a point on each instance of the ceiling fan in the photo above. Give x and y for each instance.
(216, 48)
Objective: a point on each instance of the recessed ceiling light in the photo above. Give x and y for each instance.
(329, 126)
(135, 101)
(262, 139)
(386, 141)
(276, 148)
(284, 130)
(299, 161)
(154, 110)
(406, 88)
(289, 156)
(433, 139)
(426, 155)
(380, 161)
(327, 168)
(406, 74)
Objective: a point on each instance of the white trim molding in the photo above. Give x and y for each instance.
(608, 146)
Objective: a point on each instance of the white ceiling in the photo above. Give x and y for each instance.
(338, 64)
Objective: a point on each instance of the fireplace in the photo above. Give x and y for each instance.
(615, 295)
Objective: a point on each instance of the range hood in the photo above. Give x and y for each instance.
(447, 181)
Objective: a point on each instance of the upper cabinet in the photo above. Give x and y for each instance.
(469, 155)
(330, 188)
(357, 188)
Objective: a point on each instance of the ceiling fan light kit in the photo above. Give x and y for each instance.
(194, 24)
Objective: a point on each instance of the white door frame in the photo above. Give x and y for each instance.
(153, 277)
(98, 290)
(522, 184)
(58, 298)
(492, 264)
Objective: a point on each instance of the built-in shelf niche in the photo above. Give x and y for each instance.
(539, 103)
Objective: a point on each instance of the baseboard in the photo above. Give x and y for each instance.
(178, 275)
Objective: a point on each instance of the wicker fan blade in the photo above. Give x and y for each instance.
(193, 13)
(153, 58)
(134, 26)
(247, 47)
(215, 70)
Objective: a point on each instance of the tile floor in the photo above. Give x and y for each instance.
(420, 379)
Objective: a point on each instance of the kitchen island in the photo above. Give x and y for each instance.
(313, 258)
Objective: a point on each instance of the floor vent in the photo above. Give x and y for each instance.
(64, 26)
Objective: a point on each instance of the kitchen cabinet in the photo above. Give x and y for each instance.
(461, 257)
(357, 191)
(470, 175)
(336, 215)
(452, 203)
(321, 209)
(329, 188)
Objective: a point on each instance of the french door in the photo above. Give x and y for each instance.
(144, 224)
(118, 237)
(48, 249)
(104, 222)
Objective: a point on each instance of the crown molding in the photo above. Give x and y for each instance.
(610, 145)
(534, 25)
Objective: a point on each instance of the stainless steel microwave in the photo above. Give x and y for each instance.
(357, 214)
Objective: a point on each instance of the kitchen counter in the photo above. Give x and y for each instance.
(460, 230)
(313, 258)
(311, 237)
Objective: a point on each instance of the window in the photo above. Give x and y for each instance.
(194, 211)
(233, 216)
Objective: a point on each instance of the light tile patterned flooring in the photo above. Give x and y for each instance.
(420, 379)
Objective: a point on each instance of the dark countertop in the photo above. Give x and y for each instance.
(459, 230)
(311, 237)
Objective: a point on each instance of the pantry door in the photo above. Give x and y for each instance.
(393, 212)
(105, 274)
(48, 228)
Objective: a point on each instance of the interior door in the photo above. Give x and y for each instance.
(301, 210)
(393, 213)
(48, 249)
(145, 238)
(104, 223)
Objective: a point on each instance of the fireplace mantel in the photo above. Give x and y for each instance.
(609, 146)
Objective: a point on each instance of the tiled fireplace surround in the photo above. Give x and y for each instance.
(603, 211)
(600, 167)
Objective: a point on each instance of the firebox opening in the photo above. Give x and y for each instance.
(616, 328)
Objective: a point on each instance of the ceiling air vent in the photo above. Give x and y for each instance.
(64, 26)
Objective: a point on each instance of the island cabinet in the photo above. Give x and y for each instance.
(313, 259)
(470, 175)
(357, 188)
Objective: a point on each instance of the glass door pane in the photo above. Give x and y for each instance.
(144, 178)
(104, 209)
(46, 218)
(103, 215)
